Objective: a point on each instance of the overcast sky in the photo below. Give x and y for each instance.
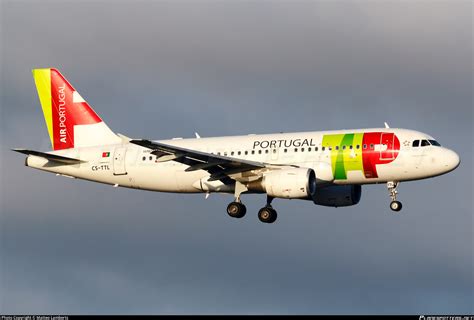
(163, 69)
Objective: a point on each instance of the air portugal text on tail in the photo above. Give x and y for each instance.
(70, 120)
(326, 167)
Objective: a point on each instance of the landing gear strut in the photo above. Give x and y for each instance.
(237, 209)
(267, 214)
(392, 189)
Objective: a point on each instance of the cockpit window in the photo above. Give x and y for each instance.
(416, 143)
(434, 143)
(424, 143)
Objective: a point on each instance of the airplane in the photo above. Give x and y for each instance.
(325, 167)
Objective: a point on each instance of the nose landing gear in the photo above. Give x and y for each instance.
(392, 189)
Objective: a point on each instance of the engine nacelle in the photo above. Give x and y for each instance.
(293, 183)
(338, 196)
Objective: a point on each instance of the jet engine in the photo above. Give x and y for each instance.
(292, 183)
(338, 196)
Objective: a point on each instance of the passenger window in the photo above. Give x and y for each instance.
(260, 151)
(416, 143)
(371, 146)
(316, 149)
(329, 148)
(302, 149)
(337, 147)
(232, 153)
(343, 147)
(274, 150)
(225, 154)
(253, 151)
(239, 153)
(246, 152)
(424, 143)
(357, 147)
(285, 151)
(266, 151)
(309, 149)
(296, 149)
(144, 158)
(350, 147)
(323, 148)
(365, 146)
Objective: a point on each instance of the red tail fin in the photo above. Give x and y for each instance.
(66, 112)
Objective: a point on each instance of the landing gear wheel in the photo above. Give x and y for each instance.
(392, 190)
(396, 205)
(236, 210)
(267, 215)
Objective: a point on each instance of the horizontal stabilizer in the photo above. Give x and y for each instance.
(50, 157)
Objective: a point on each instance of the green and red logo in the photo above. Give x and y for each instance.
(360, 152)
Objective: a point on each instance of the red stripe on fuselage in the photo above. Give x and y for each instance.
(370, 157)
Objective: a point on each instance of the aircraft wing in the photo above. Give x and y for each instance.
(220, 167)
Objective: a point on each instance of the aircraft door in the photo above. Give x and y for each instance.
(119, 161)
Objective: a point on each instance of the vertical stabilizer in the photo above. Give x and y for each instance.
(70, 120)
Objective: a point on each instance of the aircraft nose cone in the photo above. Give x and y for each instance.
(451, 160)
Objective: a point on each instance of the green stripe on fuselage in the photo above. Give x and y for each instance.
(337, 163)
(344, 159)
(353, 158)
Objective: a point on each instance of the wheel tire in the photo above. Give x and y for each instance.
(396, 206)
(236, 210)
(274, 216)
(267, 215)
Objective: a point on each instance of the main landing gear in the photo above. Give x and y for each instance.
(237, 209)
(392, 189)
(267, 214)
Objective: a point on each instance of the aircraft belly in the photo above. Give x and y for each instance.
(155, 177)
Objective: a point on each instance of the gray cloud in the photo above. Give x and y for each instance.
(165, 69)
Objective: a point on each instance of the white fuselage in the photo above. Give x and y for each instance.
(133, 166)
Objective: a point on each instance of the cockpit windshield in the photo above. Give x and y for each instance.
(425, 143)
